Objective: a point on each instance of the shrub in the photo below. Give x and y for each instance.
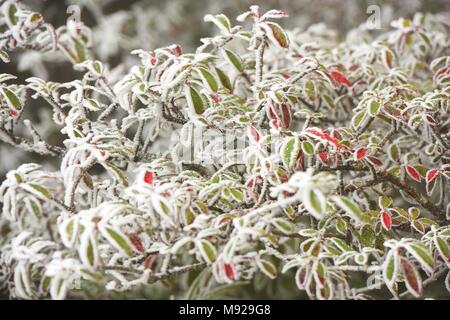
(264, 159)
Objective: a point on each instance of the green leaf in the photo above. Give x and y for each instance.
(208, 79)
(385, 202)
(310, 90)
(194, 100)
(341, 245)
(357, 119)
(391, 267)
(234, 59)
(11, 98)
(117, 173)
(314, 202)
(224, 79)
(220, 20)
(238, 195)
(118, 240)
(373, 107)
(207, 250)
(283, 225)
(308, 147)
(350, 207)
(422, 254)
(37, 190)
(290, 151)
(394, 152)
(268, 268)
(442, 248)
(10, 10)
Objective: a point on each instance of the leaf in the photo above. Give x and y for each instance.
(314, 202)
(220, 20)
(386, 220)
(274, 14)
(234, 59)
(357, 119)
(283, 225)
(432, 174)
(301, 277)
(413, 280)
(11, 98)
(208, 79)
(224, 79)
(360, 153)
(276, 34)
(391, 267)
(319, 273)
(350, 207)
(253, 134)
(340, 78)
(373, 107)
(308, 147)
(394, 152)
(87, 249)
(37, 190)
(310, 90)
(341, 245)
(117, 173)
(207, 250)
(385, 202)
(413, 173)
(4, 56)
(268, 268)
(9, 12)
(290, 151)
(194, 100)
(421, 253)
(442, 248)
(119, 240)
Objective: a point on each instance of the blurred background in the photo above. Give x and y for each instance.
(120, 26)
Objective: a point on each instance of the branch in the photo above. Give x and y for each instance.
(40, 147)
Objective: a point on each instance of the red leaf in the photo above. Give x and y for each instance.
(253, 134)
(413, 173)
(149, 177)
(386, 220)
(375, 161)
(229, 271)
(323, 156)
(137, 243)
(432, 174)
(430, 120)
(286, 115)
(322, 135)
(340, 78)
(275, 123)
(150, 260)
(253, 181)
(271, 114)
(412, 277)
(360, 153)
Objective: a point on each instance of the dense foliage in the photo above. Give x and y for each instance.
(275, 160)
